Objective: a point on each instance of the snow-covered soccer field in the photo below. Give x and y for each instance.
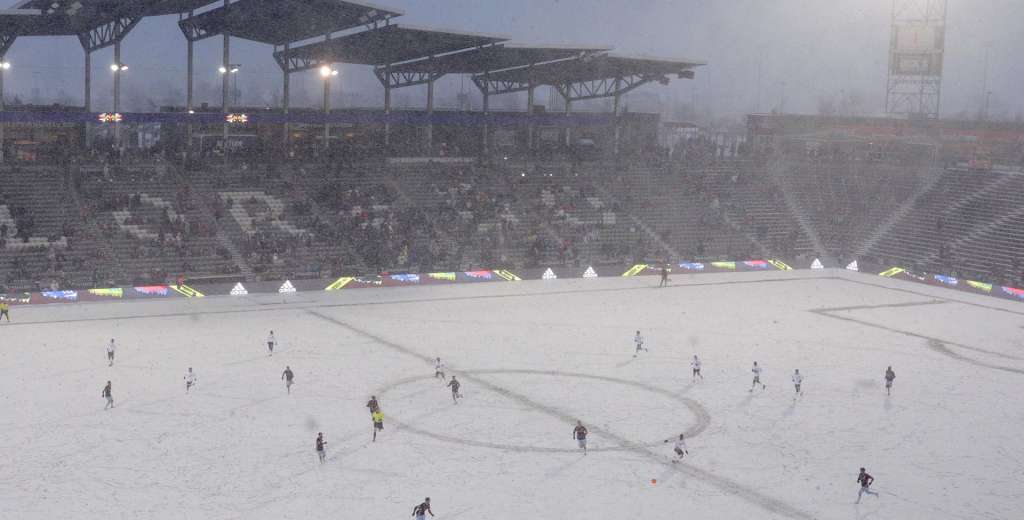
(533, 358)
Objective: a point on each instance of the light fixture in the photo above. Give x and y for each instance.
(232, 68)
(5, 65)
(222, 70)
(118, 67)
(326, 72)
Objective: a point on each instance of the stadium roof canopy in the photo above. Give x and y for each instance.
(591, 68)
(589, 76)
(497, 57)
(63, 17)
(385, 45)
(277, 22)
(97, 23)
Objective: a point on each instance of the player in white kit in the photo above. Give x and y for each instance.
(110, 352)
(757, 377)
(439, 369)
(190, 379)
(638, 340)
(271, 343)
(695, 364)
(797, 379)
(679, 448)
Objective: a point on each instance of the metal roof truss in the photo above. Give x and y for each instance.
(108, 33)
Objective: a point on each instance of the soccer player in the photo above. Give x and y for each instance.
(420, 511)
(5, 310)
(696, 368)
(889, 376)
(109, 395)
(110, 352)
(455, 385)
(373, 405)
(580, 434)
(288, 377)
(638, 340)
(757, 377)
(378, 422)
(664, 276)
(439, 369)
(271, 343)
(320, 444)
(797, 379)
(679, 448)
(190, 379)
(865, 482)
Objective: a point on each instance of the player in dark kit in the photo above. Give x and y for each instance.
(288, 377)
(420, 511)
(320, 444)
(372, 404)
(455, 385)
(865, 482)
(664, 276)
(580, 434)
(889, 376)
(108, 395)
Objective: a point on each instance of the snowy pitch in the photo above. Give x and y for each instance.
(533, 357)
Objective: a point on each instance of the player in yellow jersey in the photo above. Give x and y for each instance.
(378, 422)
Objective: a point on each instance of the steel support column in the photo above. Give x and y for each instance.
(189, 101)
(430, 113)
(87, 96)
(568, 130)
(387, 105)
(224, 88)
(286, 102)
(117, 95)
(486, 90)
(327, 112)
(615, 116)
(3, 106)
(529, 115)
(88, 80)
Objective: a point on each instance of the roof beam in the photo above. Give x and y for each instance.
(606, 87)
(492, 86)
(108, 33)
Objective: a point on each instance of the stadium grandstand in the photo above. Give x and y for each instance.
(245, 193)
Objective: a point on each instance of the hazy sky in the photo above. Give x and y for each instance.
(807, 50)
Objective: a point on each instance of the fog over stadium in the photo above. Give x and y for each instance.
(537, 259)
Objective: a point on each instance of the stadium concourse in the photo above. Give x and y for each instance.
(533, 357)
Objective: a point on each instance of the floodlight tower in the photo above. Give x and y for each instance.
(916, 48)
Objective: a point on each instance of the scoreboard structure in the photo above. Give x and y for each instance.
(916, 49)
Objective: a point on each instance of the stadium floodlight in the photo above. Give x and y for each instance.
(326, 72)
(222, 70)
(232, 68)
(118, 67)
(5, 65)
